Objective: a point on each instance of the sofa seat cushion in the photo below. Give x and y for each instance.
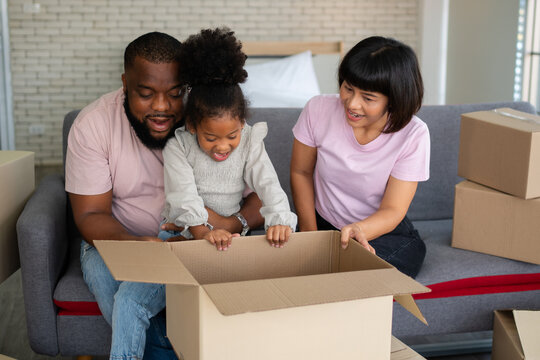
(71, 294)
(466, 287)
(444, 263)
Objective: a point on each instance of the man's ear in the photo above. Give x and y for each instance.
(124, 86)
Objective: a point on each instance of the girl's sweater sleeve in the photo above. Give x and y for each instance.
(183, 205)
(261, 176)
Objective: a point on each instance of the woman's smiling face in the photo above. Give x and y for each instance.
(364, 109)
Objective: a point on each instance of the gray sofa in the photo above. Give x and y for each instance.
(49, 248)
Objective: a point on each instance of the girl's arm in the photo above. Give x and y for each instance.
(260, 175)
(302, 166)
(183, 205)
(394, 205)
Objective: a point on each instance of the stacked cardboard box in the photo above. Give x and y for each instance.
(16, 186)
(515, 335)
(497, 208)
(309, 300)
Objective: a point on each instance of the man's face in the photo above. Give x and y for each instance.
(153, 100)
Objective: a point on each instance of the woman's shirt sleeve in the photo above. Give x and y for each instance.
(303, 130)
(413, 162)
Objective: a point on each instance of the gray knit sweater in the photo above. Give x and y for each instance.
(193, 180)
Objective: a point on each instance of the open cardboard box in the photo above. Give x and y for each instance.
(400, 351)
(501, 149)
(308, 300)
(515, 335)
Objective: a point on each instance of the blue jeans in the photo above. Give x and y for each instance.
(130, 308)
(402, 247)
(165, 234)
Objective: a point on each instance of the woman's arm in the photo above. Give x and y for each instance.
(302, 166)
(394, 205)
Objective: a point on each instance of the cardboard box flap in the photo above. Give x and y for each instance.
(270, 294)
(151, 262)
(408, 303)
(509, 118)
(528, 327)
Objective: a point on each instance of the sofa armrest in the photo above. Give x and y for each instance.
(43, 244)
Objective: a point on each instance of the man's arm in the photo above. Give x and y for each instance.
(94, 219)
(250, 210)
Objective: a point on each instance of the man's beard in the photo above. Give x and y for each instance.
(143, 132)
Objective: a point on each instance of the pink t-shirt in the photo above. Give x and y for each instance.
(104, 153)
(349, 178)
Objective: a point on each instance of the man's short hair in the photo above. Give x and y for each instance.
(155, 47)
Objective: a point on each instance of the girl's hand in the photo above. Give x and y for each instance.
(355, 232)
(221, 238)
(278, 235)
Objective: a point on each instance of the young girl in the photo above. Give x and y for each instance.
(210, 161)
(357, 157)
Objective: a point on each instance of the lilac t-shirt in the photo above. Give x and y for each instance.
(104, 153)
(350, 178)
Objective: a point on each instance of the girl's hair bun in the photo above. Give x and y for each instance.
(212, 57)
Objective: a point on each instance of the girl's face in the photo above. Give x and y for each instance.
(364, 109)
(219, 136)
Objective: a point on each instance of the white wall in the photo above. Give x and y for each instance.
(66, 53)
(433, 49)
(481, 50)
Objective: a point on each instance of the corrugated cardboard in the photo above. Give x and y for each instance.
(308, 300)
(515, 335)
(501, 149)
(400, 351)
(492, 222)
(16, 185)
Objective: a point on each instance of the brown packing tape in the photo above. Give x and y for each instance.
(517, 115)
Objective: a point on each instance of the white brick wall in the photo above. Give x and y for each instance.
(71, 52)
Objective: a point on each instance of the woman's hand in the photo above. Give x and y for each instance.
(221, 238)
(278, 235)
(355, 232)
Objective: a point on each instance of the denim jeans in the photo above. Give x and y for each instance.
(402, 247)
(130, 308)
(165, 234)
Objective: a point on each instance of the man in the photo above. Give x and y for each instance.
(114, 177)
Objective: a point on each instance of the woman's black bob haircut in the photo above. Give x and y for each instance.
(389, 67)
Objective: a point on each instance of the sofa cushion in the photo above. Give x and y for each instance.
(455, 274)
(445, 263)
(71, 295)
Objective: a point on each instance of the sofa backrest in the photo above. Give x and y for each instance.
(434, 198)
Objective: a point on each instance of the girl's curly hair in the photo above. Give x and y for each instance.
(212, 65)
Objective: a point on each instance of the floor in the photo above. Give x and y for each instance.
(13, 337)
